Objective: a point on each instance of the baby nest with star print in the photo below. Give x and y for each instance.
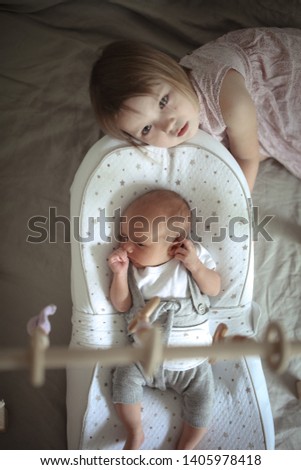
(111, 175)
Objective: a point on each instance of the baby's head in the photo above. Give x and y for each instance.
(128, 73)
(153, 225)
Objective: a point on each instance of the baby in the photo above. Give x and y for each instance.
(157, 258)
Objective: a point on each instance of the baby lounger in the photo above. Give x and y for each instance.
(203, 171)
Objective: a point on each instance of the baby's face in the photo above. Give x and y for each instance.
(164, 119)
(145, 243)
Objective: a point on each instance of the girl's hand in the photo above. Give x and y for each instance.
(118, 261)
(186, 253)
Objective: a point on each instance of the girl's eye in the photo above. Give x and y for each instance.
(146, 130)
(163, 102)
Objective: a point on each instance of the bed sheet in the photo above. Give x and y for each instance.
(277, 287)
(47, 48)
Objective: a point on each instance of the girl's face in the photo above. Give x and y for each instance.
(164, 119)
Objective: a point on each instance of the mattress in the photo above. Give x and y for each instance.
(204, 172)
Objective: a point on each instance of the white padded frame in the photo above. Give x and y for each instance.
(111, 175)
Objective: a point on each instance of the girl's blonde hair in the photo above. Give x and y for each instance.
(127, 69)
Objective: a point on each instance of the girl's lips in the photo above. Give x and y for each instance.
(183, 130)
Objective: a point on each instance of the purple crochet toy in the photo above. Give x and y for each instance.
(41, 320)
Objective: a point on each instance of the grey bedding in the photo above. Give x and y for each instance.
(47, 125)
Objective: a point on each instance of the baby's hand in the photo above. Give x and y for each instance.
(118, 261)
(186, 253)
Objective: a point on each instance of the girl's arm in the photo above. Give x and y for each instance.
(239, 114)
(208, 280)
(120, 295)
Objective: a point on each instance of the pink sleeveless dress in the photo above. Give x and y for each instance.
(269, 59)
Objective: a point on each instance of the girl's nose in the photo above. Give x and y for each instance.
(168, 124)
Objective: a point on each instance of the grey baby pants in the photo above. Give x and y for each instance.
(195, 386)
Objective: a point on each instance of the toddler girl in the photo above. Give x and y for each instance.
(243, 88)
